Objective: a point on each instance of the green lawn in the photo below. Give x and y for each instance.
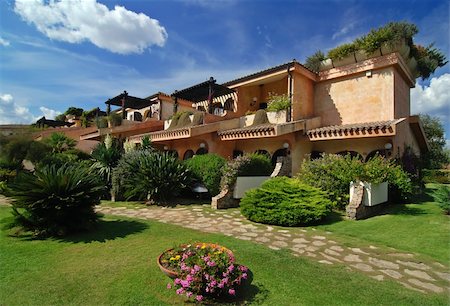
(419, 227)
(117, 265)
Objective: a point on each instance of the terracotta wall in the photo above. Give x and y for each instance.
(356, 98)
(401, 96)
(303, 97)
(405, 138)
(363, 146)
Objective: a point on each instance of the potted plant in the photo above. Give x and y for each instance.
(277, 108)
(203, 270)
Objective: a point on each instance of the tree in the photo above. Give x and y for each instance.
(436, 157)
(59, 142)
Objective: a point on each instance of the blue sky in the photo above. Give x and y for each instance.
(82, 52)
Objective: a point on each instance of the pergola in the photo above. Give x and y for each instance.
(205, 91)
(126, 101)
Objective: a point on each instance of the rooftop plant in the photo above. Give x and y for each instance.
(428, 58)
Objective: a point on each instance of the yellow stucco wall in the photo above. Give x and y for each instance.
(302, 97)
(260, 92)
(401, 96)
(356, 98)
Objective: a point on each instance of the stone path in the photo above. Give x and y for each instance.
(379, 264)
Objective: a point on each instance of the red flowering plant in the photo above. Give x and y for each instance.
(203, 270)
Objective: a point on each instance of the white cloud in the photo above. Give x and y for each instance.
(49, 113)
(432, 99)
(4, 42)
(11, 112)
(344, 30)
(74, 21)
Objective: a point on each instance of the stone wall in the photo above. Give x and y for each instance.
(356, 210)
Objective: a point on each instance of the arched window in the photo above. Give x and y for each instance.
(188, 154)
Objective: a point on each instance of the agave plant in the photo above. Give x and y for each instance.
(152, 175)
(56, 200)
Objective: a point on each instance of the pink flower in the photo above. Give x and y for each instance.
(231, 291)
(169, 286)
(211, 263)
(180, 291)
(185, 283)
(197, 268)
(213, 283)
(189, 294)
(177, 281)
(243, 268)
(199, 298)
(230, 268)
(244, 275)
(189, 278)
(220, 285)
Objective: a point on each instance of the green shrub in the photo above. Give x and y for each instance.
(152, 175)
(278, 103)
(56, 200)
(313, 62)
(442, 197)
(342, 51)
(436, 176)
(207, 168)
(333, 174)
(115, 119)
(246, 165)
(286, 202)
(101, 122)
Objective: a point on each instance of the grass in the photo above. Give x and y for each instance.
(116, 264)
(418, 227)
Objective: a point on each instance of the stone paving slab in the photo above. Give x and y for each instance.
(404, 268)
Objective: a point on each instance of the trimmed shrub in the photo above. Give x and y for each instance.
(147, 175)
(333, 174)
(285, 201)
(207, 168)
(55, 201)
(442, 197)
(246, 165)
(436, 176)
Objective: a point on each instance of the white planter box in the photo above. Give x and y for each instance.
(374, 194)
(244, 183)
(277, 117)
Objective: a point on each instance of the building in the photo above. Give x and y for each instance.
(361, 108)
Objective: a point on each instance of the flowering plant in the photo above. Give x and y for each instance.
(203, 270)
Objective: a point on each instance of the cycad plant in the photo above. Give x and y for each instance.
(54, 201)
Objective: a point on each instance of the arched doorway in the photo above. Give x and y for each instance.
(381, 152)
(201, 151)
(278, 153)
(188, 154)
(237, 153)
(352, 154)
(263, 152)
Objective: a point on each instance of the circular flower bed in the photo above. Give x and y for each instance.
(202, 270)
